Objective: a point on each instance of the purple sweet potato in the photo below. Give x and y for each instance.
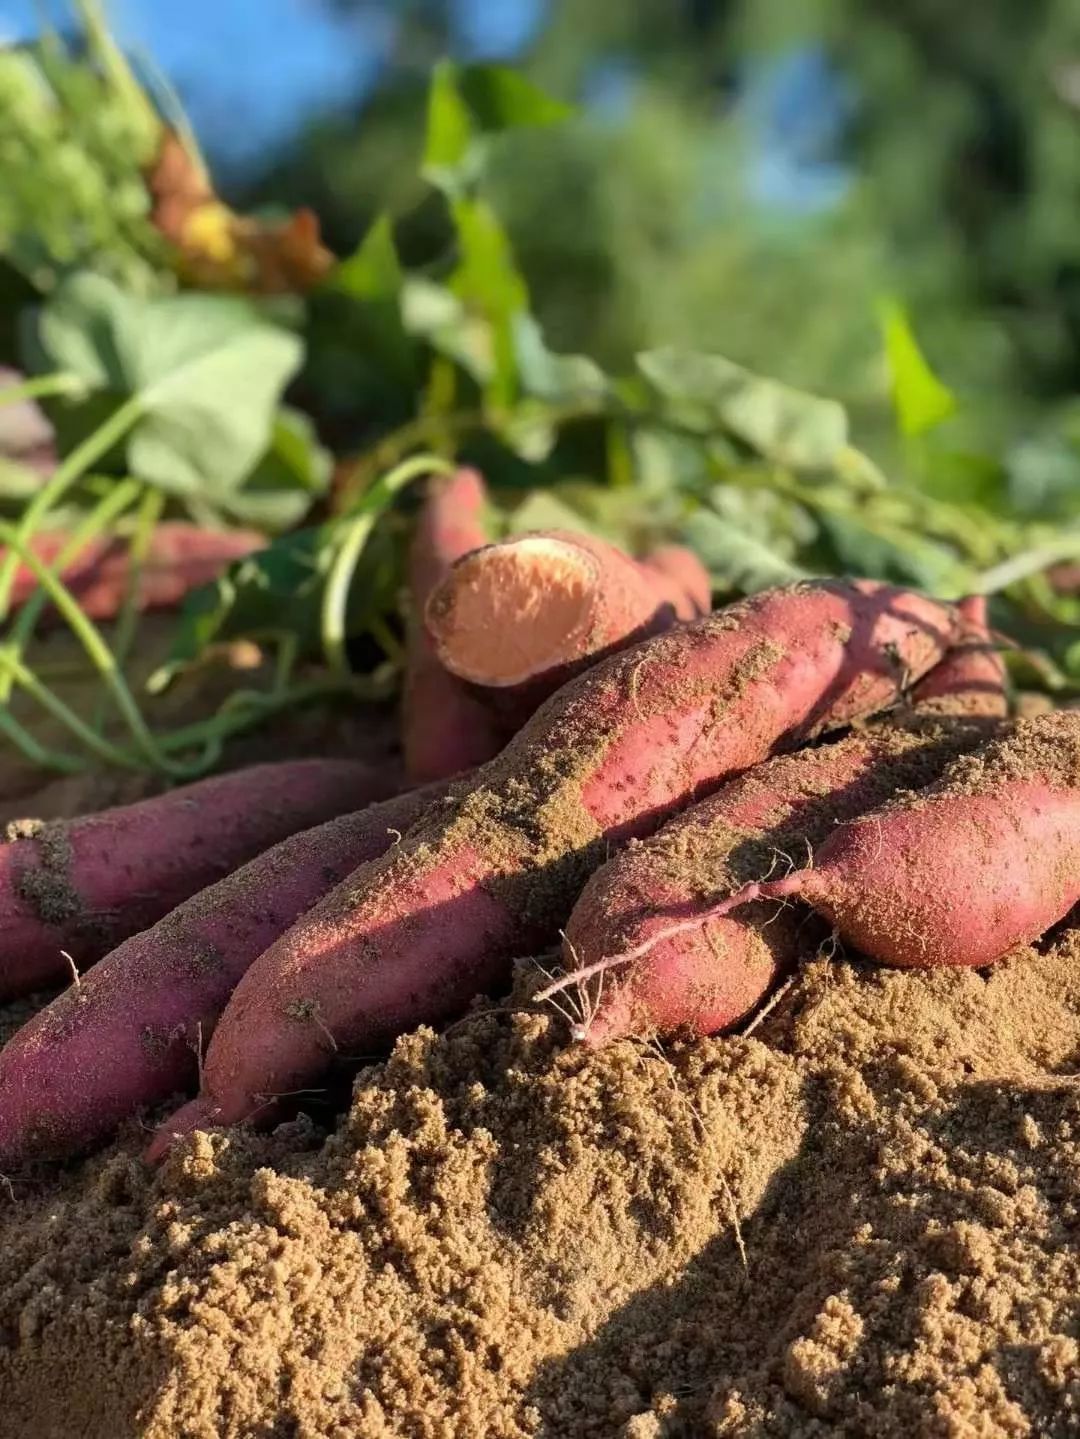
(131, 1032)
(78, 887)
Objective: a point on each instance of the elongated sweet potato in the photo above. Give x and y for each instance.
(641, 956)
(983, 860)
(414, 936)
(972, 670)
(79, 887)
(132, 1031)
(520, 618)
(445, 729)
(642, 959)
(181, 557)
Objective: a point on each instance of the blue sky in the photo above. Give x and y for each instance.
(248, 70)
(251, 71)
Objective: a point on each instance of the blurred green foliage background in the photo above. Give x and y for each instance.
(584, 267)
(750, 176)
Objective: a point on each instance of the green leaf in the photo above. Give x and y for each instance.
(906, 559)
(920, 399)
(1044, 476)
(966, 479)
(205, 372)
(530, 429)
(271, 593)
(735, 558)
(572, 380)
(293, 472)
(373, 271)
(449, 149)
(278, 593)
(362, 356)
(466, 106)
(545, 510)
(708, 393)
(489, 283)
(503, 99)
(437, 315)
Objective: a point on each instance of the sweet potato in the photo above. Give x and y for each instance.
(79, 887)
(131, 1032)
(181, 557)
(983, 860)
(972, 669)
(643, 950)
(445, 729)
(683, 578)
(414, 936)
(520, 618)
(641, 956)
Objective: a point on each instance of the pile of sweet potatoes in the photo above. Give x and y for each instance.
(674, 797)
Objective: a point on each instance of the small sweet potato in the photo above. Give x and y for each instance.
(971, 677)
(683, 579)
(644, 950)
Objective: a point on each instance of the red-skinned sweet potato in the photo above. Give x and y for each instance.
(180, 558)
(642, 959)
(78, 887)
(445, 729)
(682, 578)
(971, 677)
(639, 954)
(518, 619)
(414, 936)
(132, 1031)
(983, 860)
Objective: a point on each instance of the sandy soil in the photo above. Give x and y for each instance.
(861, 1219)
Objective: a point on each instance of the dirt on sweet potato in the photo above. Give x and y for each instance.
(862, 1218)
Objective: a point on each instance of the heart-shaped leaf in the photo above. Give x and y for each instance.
(293, 471)
(710, 393)
(204, 372)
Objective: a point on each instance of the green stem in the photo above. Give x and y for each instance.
(254, 709)
(1027, 563)
(40, 387)
(355, 535)
(67, 716)
(93, 522)
(438, 431)
(284, 661)
(150, 508)
(388, 642)
(36, 753)
(392, 448)
(67, 474)
(99, 655)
